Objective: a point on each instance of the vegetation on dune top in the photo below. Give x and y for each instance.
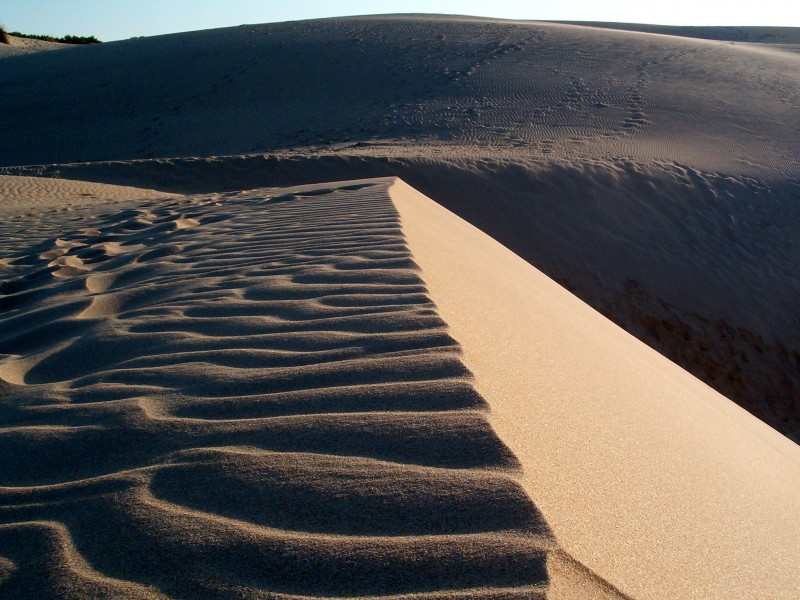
(67, 39)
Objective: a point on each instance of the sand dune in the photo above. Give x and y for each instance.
(454, 85)
(656, 176)
(253, 393)
(781, 36)
(701, 266)
(20, 194)
(18, 46)
(325, 390)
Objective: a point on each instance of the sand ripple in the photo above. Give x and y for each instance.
(245, 396)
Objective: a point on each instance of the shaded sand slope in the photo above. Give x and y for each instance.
(241, 394)
(646, 475)
(542, 88)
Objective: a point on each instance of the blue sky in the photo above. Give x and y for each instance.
(118, 19)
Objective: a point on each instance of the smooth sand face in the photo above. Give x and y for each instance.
(649, 477)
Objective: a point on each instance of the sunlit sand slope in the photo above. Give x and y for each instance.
(644, 474)
(18, 46)
(26, 197)
(238, 395)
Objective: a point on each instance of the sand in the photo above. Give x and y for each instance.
(345, 390)
(656, 176)
(20, 194)
(450, 85)
(782, 37)
(644, 473)
(245, 394)
(18, 46)
(250, 362)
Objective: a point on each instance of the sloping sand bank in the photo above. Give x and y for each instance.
(249, 395)
(644, 473)
(704, 267)
(344, 390)
(433, 85)
(18, 46)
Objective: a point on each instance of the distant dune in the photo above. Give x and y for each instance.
(18, 45)
(756, 35)
(459, 86)
(240, 358)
